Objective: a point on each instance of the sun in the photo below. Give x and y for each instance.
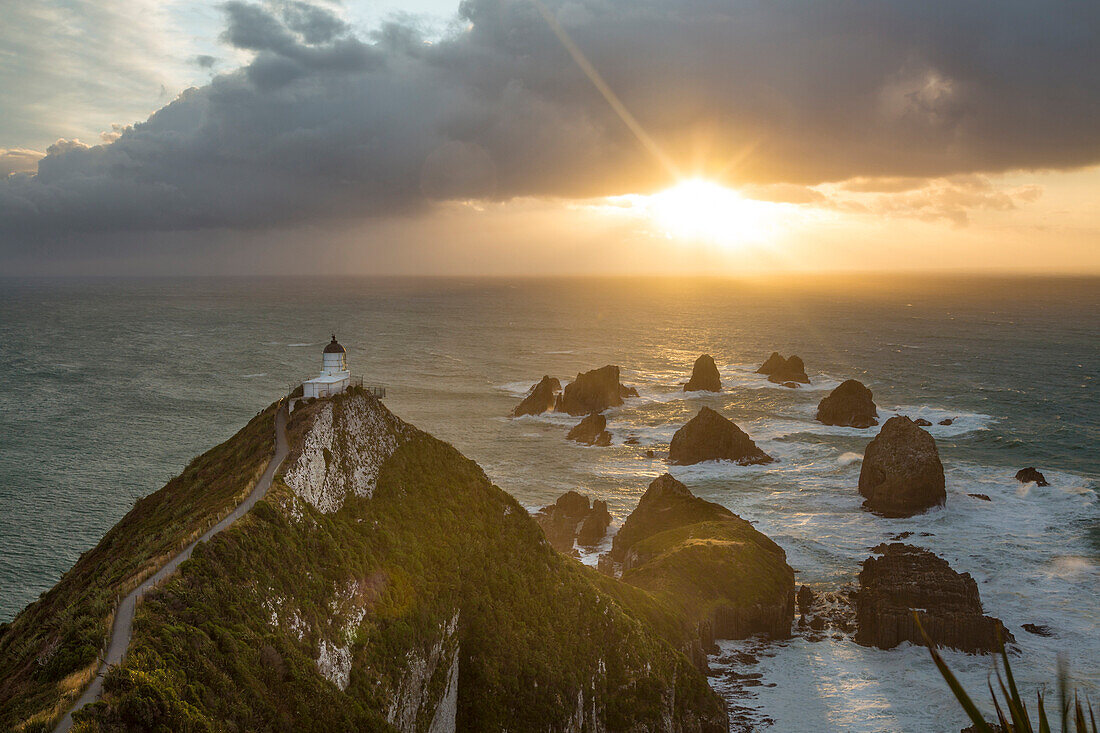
(700, 210)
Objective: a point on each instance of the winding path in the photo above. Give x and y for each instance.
(124, 613)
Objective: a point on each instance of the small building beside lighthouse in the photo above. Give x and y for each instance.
(334, 378)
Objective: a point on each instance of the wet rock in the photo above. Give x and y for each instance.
(632, 440)
(1037, 629)
(591, 431)
(711, 437)
(593, 391)
(781, 371)
(1031, 475)
(922, 422)
(901, 473)
(946, 421)
(772, 364)
(728, 578)
(572, 519)
(540, 399)
(805, 599)
(907, 578)
(704, 376)
(851, 404)
(650, 454)
(983, 497)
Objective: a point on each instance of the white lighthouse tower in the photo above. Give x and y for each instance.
(335, 376)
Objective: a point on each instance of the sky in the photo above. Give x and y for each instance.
(549, 137)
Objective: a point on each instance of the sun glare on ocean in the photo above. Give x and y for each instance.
(698, 210)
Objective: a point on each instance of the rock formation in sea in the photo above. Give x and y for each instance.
(781, 371)
(717, 569)
(947, 421)
(704, 376)
(923, 423)
(591, 431)
(901, 473)
(593, 391)
(851, 404)
(709, 436)
(572, 519)
(540, 398)
(1031, 475)
(382, 583)
(904, 578)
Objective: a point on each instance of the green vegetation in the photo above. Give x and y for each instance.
(440, 564)
(724, 572)
(1012, 713)
(724, 577)
(50, 650)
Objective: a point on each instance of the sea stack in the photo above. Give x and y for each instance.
(728, 578)
(949, 607)
(781, 371)
(1031, 475)
(849, 405)
(594, 391)
(540, 398)
(591, 431)
(902, 474)
(572, 519)
(704, 376)
(710, 436)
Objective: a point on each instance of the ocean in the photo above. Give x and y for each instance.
(109, 387)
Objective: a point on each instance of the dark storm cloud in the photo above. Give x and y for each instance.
(325, 124)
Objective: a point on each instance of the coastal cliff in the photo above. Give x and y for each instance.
(384, 583)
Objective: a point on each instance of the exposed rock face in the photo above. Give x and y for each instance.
(1031, 475)
(772, 364)
(728, 578)
(905, 578)
(348, 440)
(571, 518)
(591, 431)
(540, 399)
(850, 404)
(901, 473)
(947, 421)
(704, 376)
(922, 422)
(594, 391)
(711, 437)
(781, 371)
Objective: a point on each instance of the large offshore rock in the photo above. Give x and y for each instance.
(594, 391)
(704, 376)
(723, 574)
(902, 473)
(851, 404)
(1031, 475)
(780, 370)
(711, 437)
(572, 519)
(907, 578)
(591, 431)
(540, 399)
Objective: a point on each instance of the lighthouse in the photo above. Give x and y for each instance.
(335, 376)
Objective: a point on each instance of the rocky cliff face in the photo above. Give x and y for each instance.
(711, 437)
(902, 473)
(390, 586)
(591, 431)
(729, 579)
(540, 398)
(907, 578)
(594, 391)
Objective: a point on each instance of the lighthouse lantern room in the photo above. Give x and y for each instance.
(335, 376)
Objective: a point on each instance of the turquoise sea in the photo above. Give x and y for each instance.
(109, 387)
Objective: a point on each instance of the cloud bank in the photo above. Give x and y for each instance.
(325, 123)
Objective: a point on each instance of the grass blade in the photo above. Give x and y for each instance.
(952, 682)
